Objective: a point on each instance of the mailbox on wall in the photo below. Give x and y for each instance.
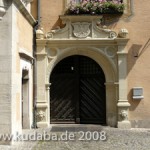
(138, 93)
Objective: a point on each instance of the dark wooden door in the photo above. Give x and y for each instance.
(77, 92)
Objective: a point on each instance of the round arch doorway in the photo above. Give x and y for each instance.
(77, 93)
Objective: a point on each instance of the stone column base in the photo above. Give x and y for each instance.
(124, 125)
(42, 125)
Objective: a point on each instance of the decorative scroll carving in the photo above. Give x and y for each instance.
(98, 27)
(49, 35)
(87, 28)
(59, 32)
(112, 34)
(81, 29)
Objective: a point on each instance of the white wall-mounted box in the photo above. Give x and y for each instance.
(138, 93)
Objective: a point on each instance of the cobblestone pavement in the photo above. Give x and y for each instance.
(93, 138)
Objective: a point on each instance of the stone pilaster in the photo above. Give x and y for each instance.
(123, 104)
(111, 97)
(42, 101)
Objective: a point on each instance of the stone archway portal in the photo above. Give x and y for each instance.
(77, 93)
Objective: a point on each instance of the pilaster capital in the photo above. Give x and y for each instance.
(123, 103)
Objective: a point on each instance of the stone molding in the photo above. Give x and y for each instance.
(25, 12)
(26, 55)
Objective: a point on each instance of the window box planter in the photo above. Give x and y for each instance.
(95, 7)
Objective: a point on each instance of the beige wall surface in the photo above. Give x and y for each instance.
(34, 8)
(22, 41)
(138, 58)
(138, 48)
(50, 10)
(25, 33)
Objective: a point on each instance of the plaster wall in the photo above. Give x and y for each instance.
(138, 49)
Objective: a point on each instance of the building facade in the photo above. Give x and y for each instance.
(118, 44)
(16, 63)
(86, 68)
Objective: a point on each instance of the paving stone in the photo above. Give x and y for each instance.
(117, 139)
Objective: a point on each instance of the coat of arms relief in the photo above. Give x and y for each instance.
(81, 29)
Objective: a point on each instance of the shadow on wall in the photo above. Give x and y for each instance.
(135, 52)
(110, 20)
(58, 24)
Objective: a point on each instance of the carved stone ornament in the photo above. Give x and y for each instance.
(40, 115)
(88, 27)
(123, 33)
(81, 29)
(112, 34)
(40, 33)
(110, 52)
(124, 115)
(49, 35)
(2, 9)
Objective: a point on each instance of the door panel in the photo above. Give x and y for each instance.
(62, 100)
(92, 102)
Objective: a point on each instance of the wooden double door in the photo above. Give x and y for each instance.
(77, 92)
